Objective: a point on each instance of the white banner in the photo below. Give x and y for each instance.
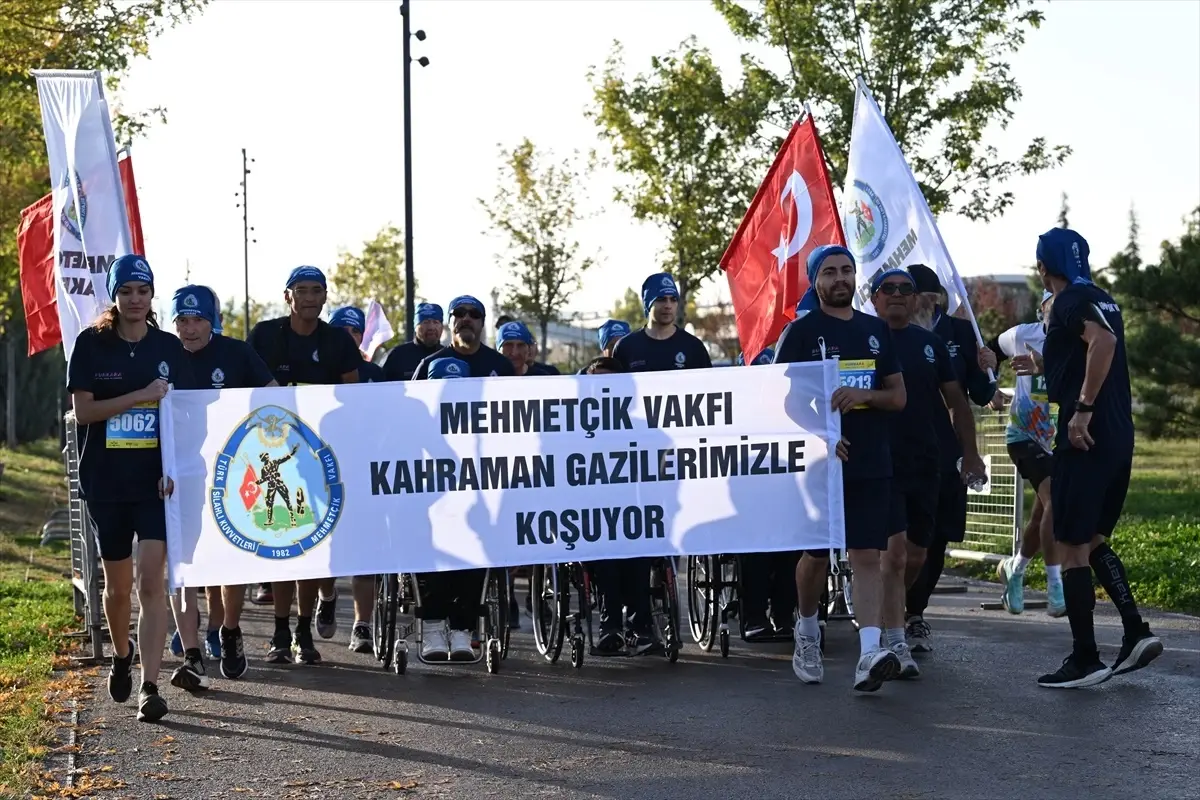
(292, 483)
(885, 216)
(90, 225)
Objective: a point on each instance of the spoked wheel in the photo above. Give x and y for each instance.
(400, 662)
(495, 602)
(384, 621)
(493, 656)
(702, 599)
(548, 587)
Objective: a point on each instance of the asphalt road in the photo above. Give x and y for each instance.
(974, 725)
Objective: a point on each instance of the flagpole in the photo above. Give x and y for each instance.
(958, 284)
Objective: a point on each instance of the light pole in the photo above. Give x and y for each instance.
(246, 229)
(409, 289)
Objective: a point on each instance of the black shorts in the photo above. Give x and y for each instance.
(117, 524)
(913, 508)
(1033, 462)
(868, 513)
(951, 524)
(1087, 493)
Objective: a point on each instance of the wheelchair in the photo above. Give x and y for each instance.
(397, 617)
(563, 597)
(715, 591)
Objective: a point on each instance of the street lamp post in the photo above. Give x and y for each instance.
(409, 289)
(246, 229)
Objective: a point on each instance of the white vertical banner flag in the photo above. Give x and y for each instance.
(377, 329)
(291, 483)
(885, 216)
(91, 228)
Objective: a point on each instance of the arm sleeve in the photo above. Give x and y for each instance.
(619, 353)
(1004, 345)
(886, 363)
(255, 339)
(256, 369)
(703, 359)
(785, 346)
(348, 355)
(79, 368)
(184, 373)
(979, 388)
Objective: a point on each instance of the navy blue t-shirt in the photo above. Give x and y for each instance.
(866, 355)
(484, 362)
(401, 364)
(639, 352)
(370, 373)
(297, 360)
(925, 361)
(538, 368)
(959, 338)
(1065, 358)
(226, 363)
(119, 458)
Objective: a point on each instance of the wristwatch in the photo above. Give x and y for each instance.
(1086, 408)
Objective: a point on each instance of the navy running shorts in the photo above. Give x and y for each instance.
(914, 507)
(116, 525)
(1087, 493)
(1033, 462)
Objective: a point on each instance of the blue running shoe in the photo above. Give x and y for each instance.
(1013, 599)
(212, 643)
(1056, 604)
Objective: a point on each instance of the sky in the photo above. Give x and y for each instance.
(312, 89)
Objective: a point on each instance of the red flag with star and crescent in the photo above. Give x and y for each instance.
(793, 212)
(249, 489)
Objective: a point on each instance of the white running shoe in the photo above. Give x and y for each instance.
(874, 668)
(434, 646)
(908, 664)
(460, 646)
(807, 662)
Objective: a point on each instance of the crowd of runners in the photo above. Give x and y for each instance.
(909, 374)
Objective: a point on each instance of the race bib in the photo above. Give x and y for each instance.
(135, 429)
(857, 375)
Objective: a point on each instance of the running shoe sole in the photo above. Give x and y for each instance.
(184, 678)
(887, 669)
(232, 672)
(1005, 576)
(152, 712)
(1091, 679)
(1145, 651)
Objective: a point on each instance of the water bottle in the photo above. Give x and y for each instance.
(975, 482)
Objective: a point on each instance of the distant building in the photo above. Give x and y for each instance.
(1008, 294)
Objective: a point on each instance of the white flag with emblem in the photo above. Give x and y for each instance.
(91, 228)
(885, 216)
(377, 330)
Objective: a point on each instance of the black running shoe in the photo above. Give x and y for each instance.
(1137, 650)
(758, 627)
(190, 675)
(233, 654)
(327, 616)
(151, 707)
(281, 647)
(611, 644)
(303, 647)
(646, 644)
(120, 677)
(1076, 673)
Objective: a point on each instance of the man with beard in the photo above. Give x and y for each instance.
(951, 521)
(871, 387)
(450, 600)
(932, 388)
(402, 362)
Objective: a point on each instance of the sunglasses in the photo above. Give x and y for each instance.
(459, 313)
(903, 289)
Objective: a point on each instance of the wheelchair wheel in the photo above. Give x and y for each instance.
(400, 661)
(702, 599)
(495, 614)
(549, 587)
(724, 636)
(384, 620)
(493, 656)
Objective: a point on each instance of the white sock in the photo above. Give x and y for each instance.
(895, 636)
(1054, 573)
(868, 640)
(1020, 563)
(809, 626)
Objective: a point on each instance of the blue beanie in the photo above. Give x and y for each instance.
(126, 269)
(658, 285)
(821, 253)
(306, 274)
(881, 277)
(611, 330)
(1065, 253)
(428, 311)
(514, 331)
(448, 368)
(349, 317)
(767, 356)
(195, 301)
(217, 327)
(469, 301)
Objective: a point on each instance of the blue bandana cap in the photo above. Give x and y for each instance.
(612, 329)
(195, 301)
(513, 332)
(218, 329)
(127, 269)
(441, 368)
(349, 317)
(883, 276)
(1065, 253)
(821, 253)
(300, 274)
(428, 311)
(657, 286)
(468, 301)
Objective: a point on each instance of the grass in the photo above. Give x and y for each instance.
(1158, 537)
(35, 610)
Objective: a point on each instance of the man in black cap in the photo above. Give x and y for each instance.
(402, 362)
(951, 518)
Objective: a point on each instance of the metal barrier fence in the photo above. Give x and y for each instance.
(995, 515)
(87, 578)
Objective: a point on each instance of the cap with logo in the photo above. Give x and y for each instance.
(1064, 253)
(612, 329)
(305, 273)
(349, 317)
(891, 273)
(514, 332)
(656, 287)
(467, 301)
(429, 311)
(195, 301)
(441, 368)
(128, 269)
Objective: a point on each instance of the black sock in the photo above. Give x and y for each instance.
(303, 623)
(1081, 602)
(1110, 572)
(283, 624)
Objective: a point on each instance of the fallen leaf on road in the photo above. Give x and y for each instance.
(356, 730)
(162, 776)
(401, 787)
(162, 741)
(106, 768)
(299, 783)
(240, 789)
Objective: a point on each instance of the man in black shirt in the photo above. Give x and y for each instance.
(932, 388)
(302, 350)
(354, 322)
(872, 386)
(402, 362)
(661, 345)
(951, 521)
(1086, 374)
(514, 340)
(467, 315)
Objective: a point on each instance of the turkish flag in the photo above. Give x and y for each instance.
(35, 254)
(793, 212)
(249, 490)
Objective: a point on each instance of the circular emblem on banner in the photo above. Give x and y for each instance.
(277, 490)
(865, 222)
(74, 206)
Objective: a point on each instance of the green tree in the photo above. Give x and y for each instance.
(1161, 305)
(689, 150)
(233, 315)
(1063, 210)
(534, 210)
(939, 69)
(375, 273)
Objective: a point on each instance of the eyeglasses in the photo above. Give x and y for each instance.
(903, 289)
(459, 313)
